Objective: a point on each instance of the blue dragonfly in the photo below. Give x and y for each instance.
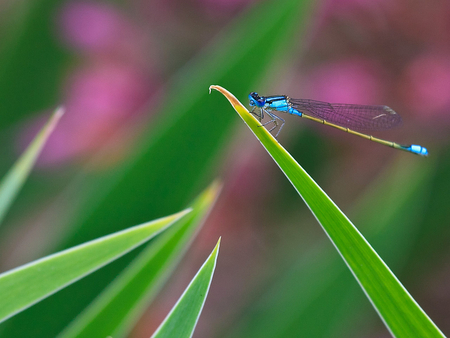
(351, 118)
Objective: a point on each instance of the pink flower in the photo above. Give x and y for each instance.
(426, 86)
(100, 99)
(349, 81)
(101, 29)
(107, 91)
(104, 93)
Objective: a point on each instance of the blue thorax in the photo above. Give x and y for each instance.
(277, 103)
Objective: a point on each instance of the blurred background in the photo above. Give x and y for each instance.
(141, 137)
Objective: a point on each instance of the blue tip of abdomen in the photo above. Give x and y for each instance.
(416, 149)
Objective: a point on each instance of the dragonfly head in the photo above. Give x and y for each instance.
(256, 100)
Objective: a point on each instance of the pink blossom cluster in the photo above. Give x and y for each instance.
(109, 85)
(384, 52)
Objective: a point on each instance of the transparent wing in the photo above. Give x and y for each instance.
(352, 116)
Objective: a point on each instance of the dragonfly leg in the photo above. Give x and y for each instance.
(258, 116)
(275, 121)
(275, 125)
(281, 127)
(272, 120)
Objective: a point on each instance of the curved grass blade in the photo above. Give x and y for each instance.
(122, 303)
(26, 285)
(15, 178)
(398, 310)
(315, 296)
(183, 318)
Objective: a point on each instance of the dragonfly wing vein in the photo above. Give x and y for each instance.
(352, 116)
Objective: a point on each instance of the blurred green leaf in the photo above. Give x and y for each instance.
(28, 284)
(428, 252)
(398, 310)
(122, 303)
(183, 318)
(31, 59)
(15, 178)
(175, 157)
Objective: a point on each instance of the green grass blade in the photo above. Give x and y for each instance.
(183, 317)
(122, 303)
(316, 295)
(26, 285)
(15, 178)
(399, 311)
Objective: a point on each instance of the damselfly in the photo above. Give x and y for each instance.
(351, 118)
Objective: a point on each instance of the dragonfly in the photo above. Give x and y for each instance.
(351, 118)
